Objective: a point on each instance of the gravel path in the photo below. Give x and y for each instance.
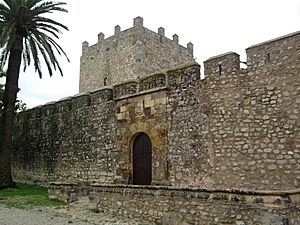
(76, 213)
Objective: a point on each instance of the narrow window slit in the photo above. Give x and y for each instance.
(268, 57)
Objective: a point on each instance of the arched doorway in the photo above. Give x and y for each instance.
(142, 160)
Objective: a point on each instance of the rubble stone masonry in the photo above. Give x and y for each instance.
(236, 130)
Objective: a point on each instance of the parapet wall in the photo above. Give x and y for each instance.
(139, 86)
(66, 140)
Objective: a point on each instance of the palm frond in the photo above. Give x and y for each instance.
(10, 4)
(25, 17)
(50, 22)
(26, 54)
(3, 58)
(48, 7)
(32, 3)
(35, 56)
(44, 28)
(6, 34)
(43, 47)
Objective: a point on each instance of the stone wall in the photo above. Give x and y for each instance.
(72, 139)
(175, 206)
(129, 54)
(89, 137)
(236, 129)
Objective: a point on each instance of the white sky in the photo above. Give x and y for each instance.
(213, 26)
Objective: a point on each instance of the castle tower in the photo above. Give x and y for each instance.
(129, 54)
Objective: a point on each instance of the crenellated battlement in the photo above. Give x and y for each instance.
(137, 26)
(156, 81)
(69, 104)
(129, 88)
(222, 64)
(269, 54)
(129, 54)
(273, 53)
(279, 52)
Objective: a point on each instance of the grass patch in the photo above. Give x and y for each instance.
(24, 190)
(26, 195)
(95, 210)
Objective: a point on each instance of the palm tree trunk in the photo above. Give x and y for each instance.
(6, 125)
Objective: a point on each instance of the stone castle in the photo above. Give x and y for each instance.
(147, 134)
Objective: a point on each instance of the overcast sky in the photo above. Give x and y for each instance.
(213, 26)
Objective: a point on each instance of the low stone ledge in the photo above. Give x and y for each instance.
(170, 205)
(256, 196)
(277, 197)
(173, 205)
(67, 191)
(236, 191)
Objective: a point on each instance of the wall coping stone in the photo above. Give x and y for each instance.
(220, 55)
(151, 75)
(49, 103)
(139, 93)
(275, 39)
(81, 94)
(126, 82)
(101, 89)
(183, 66)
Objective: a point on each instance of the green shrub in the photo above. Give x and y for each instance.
(95, 210)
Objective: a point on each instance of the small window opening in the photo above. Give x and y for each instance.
(220, 69)
(268, 57)
(105, 81)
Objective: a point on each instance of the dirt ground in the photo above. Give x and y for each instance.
(78, 213)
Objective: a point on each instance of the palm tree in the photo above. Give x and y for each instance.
(25, 35)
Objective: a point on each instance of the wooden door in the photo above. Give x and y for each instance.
(142, 160)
